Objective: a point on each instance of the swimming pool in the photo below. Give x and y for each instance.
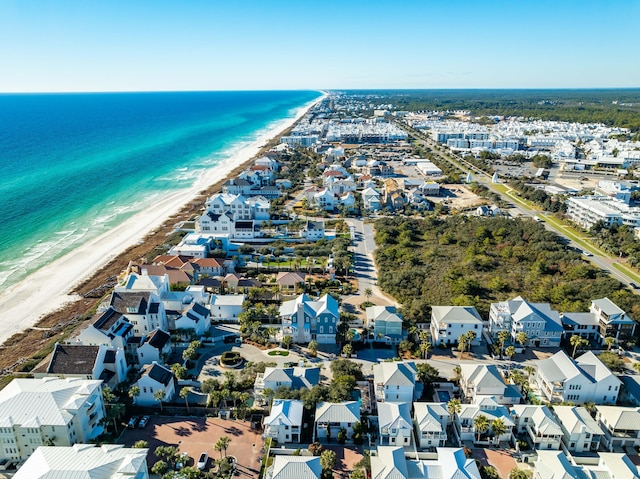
(443, 396)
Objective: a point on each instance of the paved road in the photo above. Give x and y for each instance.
(364, 265)
(483, 178)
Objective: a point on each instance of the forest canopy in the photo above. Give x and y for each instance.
(470, 261)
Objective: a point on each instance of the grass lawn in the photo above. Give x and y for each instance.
(278, 352)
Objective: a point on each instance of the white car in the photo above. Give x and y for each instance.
(202, 461)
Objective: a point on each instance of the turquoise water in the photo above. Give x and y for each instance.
(73, 166)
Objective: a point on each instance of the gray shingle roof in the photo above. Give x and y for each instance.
(73, 359)
(160, 374)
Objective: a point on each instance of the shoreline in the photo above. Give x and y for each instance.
(54, 287)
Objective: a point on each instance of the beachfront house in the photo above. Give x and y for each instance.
(431, 421)
(144, 310)
(448, 323)
(395, 382)
(48, 411)
(155, 377)
(581, 380)
(86, 362)
(111, 329)
(85, 461)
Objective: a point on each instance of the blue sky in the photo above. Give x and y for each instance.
(114, 45)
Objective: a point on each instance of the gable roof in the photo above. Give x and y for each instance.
(130, 302)
(158, 339)
(482, 375)
(289, 278)
(348, 411)
(394, 415)
(84, 461)
(560, 367)
(73, 359)
(620, 417)
(383, 313)
(287, 412)
(427, 416)
(107, 319)
(389, 463)
(456, 314)
(607, 306)
(158, 373)
(574, 419)
(395, 373)
(296, 467)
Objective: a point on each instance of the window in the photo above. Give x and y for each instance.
(144, 389)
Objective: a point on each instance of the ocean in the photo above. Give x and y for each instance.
(72, 166)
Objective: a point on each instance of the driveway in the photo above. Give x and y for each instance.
(197, 434)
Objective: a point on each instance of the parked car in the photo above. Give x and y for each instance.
(633, 285)
(144, 421)
(202, 461)
(587, 253)
(133, 421)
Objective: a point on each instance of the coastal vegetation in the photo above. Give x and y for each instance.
(476, 261)
(612, 107)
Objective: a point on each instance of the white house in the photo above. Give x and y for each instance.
(491, 410)
(144, 310)
(312, 230)
(371, 199)
(395, 381)
(87, 362)
(613, 320)
(539, 424)
(331, 417)
(582, 380)
(478, 381)
(197, 318)
(294, 467)
(226, 307)
(556, 465)
(621, 426)
(154, 348)
(154, 378)
(541, 323)
(48, 411)
(580, 432)
(111, 329)
(431, 421)
(448, 323)
(284, 423)
(294, 378)
(394, 423)
(386, 324)
(305, 320)
(390, 462)
(109, 461)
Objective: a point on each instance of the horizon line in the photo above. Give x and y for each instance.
(322, 90)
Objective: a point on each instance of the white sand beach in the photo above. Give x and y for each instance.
(46, 290)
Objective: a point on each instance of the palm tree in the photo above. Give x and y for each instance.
(577, 341)
(609, 341)
(530, 370)
(498, 428)
(222, 444)
(457, 371)
(347, 349)
(454, 407)
(313, 347)
(159, 396)
(184, 394)
(502, 337)
(518, 474)
(522, 338)
(636, 366)
(462, 343)
(287, 341)
(425, 347)
(510, 352)
(471, 336)
(481, 423)
(134, 392)
(368, 293)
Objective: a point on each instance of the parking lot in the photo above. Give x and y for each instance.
(196, 435)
